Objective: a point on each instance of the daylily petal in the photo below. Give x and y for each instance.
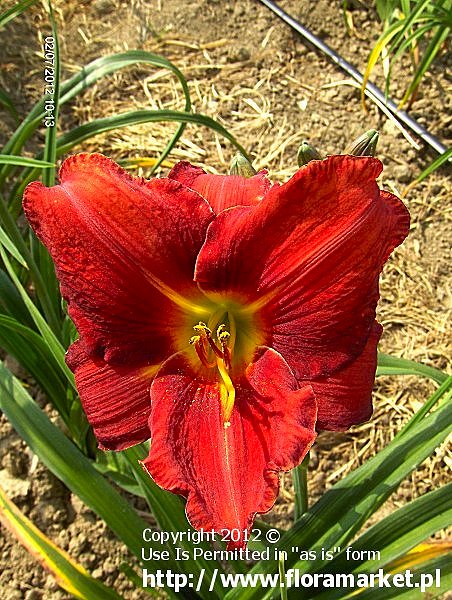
(122, 247)
(229, 473)
(309, 255)
(222, 191)
(116, 399)
(345, 398)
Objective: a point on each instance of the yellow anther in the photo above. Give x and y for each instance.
(195, 339)
(202, 327)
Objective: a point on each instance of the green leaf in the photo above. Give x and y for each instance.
(13, 232)
(64, 459)
(49, 337)
(411, 16)
(11, 302)
(392, 537)
(375, 54)
(67, 141)
(79, 82)
(15, 11)
(392, 365)
(50, 153)
(30, 350)
(439, 567)
(9, 245)
(342, 511)
(445, 389)
(446, 156)
(23, 161)
(300, 483)
(77, 135)
(429, 55)
(69, 575)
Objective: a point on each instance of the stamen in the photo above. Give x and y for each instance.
(227, 357)
(198, 341)
(224, 337)
(200, 351)
(222, 360)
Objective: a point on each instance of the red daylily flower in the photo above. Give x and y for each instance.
(226, 318)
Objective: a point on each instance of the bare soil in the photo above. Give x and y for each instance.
(252, 73)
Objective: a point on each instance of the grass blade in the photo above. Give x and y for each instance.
(68, 463)
(30, 350)
(41, 255)
(8, 245)
(77, 135)
(381, 43)
(392, 365)
(13, 232)
(393, 537)
(444, 389)
(15, 11)
(22, 161)
(48, 177)
(67, 141)
(430, 53)
(79, 82)
(436, 164)
(11, 303)
(48, 336)
(68, 574)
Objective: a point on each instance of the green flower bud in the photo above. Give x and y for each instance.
(306, 153)
(365, 145)
(241, 166)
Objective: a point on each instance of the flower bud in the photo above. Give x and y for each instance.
(241, 166)
(365, 145)
(306, 153)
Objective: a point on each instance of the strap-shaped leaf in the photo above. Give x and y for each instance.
(440, 570)
(69, 575)
(68, 463)
(51, 291)
(389, 541)
(48, 336)
(392, 365)
(9, 245)
(23, 161)
(72, 138)
(82, 80)
(15, 11)
(30, 350)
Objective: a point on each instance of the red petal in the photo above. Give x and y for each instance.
(313, 249)
(222, 191)
(345, 398)
(121, 246)
(116, 399)
(228, 474)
